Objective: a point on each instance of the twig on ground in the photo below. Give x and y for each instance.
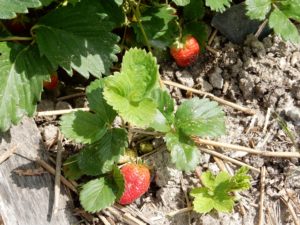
(7, 154)
(104, 220)
(290, 207)
(57, 174)
(126, 217)
(133, 211)
(227, 158)
(215, 98)
(81, 94)
(51, 170)
(251, 125)
(267, 119)
(179, 211)
(212, 37)
(261, 28)
(246, 149)
(261, 216)
(60, 112)
(212, 50)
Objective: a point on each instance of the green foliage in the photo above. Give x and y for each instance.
(181, 2)
(283, 26)
(102, 192)
(217, 190)
(258, 9)
(71, 168)
(10, 8)
(83, 127)
(200, 117)
(218, 5)
(194, 10)
(129, 92)
(159, 23)
(279, 18)
(100, 157)
(22, 71)
(184, 152)
(78, 37)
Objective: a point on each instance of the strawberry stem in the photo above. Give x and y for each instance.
(16, 38)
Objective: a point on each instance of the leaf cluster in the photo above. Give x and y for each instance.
(217, 191)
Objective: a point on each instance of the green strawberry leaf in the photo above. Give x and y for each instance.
(181, 2)
(78, 37)
(165, 103)
(119, 181)
(164, 116)
(283, 26)
(71, 168)
(22, 71)
(203, 202)
(193, 11)
(258, 9)
(200, 117)
(97, 103)
(218, 5)
(217, 190)
(290, 8)
(46, 2)
(240, 181)
(98, 194)
(83, 127)
(129, 92)
(100, 157)
(184, 152)
(159, 23)
(10, 8)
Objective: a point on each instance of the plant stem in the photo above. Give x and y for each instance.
(16, 38)
(137, 14)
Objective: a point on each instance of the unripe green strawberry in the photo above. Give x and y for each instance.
(137, 181)
(185, 53)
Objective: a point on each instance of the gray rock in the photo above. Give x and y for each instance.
(236, 25)
(246, 86)
(216, 79)
(50, 135)
(295, 59)
(293, 113)
(185, 78)
(296, 90)
(62, 105)
(45, 105)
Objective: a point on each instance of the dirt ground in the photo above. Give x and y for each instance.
(261, 75)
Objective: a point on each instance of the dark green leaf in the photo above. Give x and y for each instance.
(98, 194)
(184, 152)
(114, 11)
(283, 26)
(71, 168)
(119, 181)
(258, 9)
(46, 2)
(78, 37)
(129, 92)
(218, 5)
(22, 71)
(200, 117)
(194, 10)
(10, 8)
(100, 157)
(198, 30)
(165, 103)
(97, 103)
(83, 127)
(160, 26)
(181, 2)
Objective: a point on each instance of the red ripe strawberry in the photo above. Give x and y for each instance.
(137, 181)
(185, 53)
(52, 84)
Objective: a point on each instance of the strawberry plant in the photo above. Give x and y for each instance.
(136, 96)
(217, 191)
